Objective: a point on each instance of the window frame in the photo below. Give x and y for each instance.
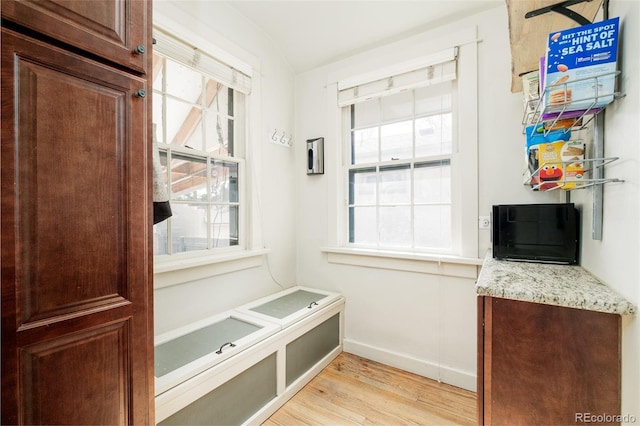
(466, 154)
(240, 204)
(411, 163)
(240, 118)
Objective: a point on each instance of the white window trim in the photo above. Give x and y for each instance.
(464, 190)
(453, 266)
(241, 203)
(178, 271)
(168, 26)
(431, 70)
(410, 163)
(185, 267)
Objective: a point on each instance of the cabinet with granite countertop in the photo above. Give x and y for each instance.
(548, 344)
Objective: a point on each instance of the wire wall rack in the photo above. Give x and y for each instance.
(551, 116)
(578, 181)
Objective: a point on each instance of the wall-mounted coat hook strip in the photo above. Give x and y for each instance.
(281, 140)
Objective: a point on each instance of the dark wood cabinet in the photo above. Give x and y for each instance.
(115, 30)
(543, 364)
(77, 319)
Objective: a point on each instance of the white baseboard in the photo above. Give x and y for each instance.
(429, 369)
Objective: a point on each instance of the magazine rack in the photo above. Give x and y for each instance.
(589, 114)
(561, 110)
(534, 115)
(597, 179)
(593, 163)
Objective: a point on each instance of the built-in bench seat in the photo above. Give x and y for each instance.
(240, 366)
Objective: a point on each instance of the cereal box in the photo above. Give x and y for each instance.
(580, 67)
(536, 135)
(561, 165)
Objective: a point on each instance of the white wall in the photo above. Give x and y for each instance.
(216, 26)
(424, 322)
(616, 258)
(420, 322)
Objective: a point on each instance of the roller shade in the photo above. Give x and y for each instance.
(430, 70)
(191, 56)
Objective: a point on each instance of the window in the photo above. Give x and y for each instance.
(199, 113)
(400, 171)
(401, 161)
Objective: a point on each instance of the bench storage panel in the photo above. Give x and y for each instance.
(279, 344)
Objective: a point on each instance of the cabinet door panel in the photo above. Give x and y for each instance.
(103, 28)
(75, 239)
(88, 366)
(74, 156)
(71, 191)
(548, 364)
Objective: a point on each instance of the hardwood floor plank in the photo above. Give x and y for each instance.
(357, 391)
(379, 401)
(320, 399)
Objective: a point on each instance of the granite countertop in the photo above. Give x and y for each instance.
(561, 285)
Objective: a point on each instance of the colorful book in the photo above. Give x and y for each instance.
(580, 67)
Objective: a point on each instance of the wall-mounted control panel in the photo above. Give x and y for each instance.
(315, 156)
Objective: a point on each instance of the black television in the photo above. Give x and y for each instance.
(536, 232)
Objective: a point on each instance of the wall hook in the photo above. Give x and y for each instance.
(280, 139)
(284, 140)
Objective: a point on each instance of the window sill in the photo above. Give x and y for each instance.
(463, 267)
(177, 271)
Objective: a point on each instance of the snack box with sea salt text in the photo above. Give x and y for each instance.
(580, 65)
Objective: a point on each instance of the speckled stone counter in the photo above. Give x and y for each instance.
(561, 285)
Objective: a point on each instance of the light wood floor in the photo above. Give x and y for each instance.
(356, 391)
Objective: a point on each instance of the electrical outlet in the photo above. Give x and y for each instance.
(484, 222)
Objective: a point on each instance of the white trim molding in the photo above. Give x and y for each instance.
(453, 266)
(422, 367)
(179, 271)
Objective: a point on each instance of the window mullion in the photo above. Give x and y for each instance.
(378, 177)
(205, 112)
(163, 119)
(209, 204)
(379, 129)
(377, 204)
(411, 173)
(169, 220)
(412, 203)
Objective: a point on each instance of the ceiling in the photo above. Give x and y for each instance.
(313, 33)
